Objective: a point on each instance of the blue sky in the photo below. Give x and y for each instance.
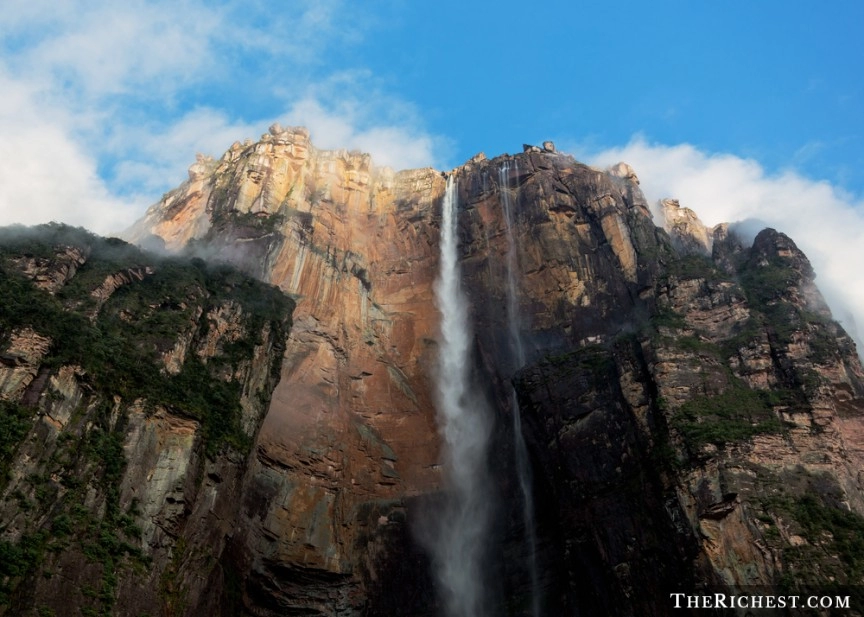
(739, 109)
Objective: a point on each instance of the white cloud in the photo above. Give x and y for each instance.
(159, 152)
(396, 145)
(61, 71)
(825, 222)
(100, 49)
(45, 174)
(299, 32)
(105, 105)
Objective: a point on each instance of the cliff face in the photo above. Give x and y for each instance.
(350, 434)
(717, 445)
(131, 389)
(692, 415)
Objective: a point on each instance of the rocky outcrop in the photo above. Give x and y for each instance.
(779, 430)
(351, 428)
(51, 273)
(114, 281)
(20, 362)
(687, 232)
(721, 439)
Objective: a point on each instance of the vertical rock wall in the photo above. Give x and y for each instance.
(350, 437)
(683, 413)
(129, 403)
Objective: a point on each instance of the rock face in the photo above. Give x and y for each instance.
(692, 415)
(131, 389)
(687, 232)
(350, 437)
(722, 438)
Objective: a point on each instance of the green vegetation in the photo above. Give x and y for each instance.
(736, 415)
(767, 288)
(666, 317)
(106, 538)
(834, 549)
(844, 527)
(693, 267)
(216, 406)
(171, 591)
(120, 350)
(17, 559)
(119, 347)
(15, 422)
(751, 331)
(767, 284)
(696, 345)
(259, 221)
(740, 413)
(682, 267)
(595, 361)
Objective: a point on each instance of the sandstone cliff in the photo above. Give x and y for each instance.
(693, 416)
(351, 434)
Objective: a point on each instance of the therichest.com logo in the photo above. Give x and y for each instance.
(755, 602)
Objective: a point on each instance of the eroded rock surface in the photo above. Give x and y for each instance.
(687, 232)
(722, 438)
(350, 436)
(120, 471)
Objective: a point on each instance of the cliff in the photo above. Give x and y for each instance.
(692, 415)
(131, 388)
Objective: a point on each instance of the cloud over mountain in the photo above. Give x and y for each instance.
(105, 105)
(827, 223)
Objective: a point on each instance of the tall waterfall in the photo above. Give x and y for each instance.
(463, 415)
(523, 466)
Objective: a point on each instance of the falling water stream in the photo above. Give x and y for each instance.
(523, 466)
(461, 536)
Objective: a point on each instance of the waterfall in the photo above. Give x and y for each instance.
(523, 466)
(463, 415)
